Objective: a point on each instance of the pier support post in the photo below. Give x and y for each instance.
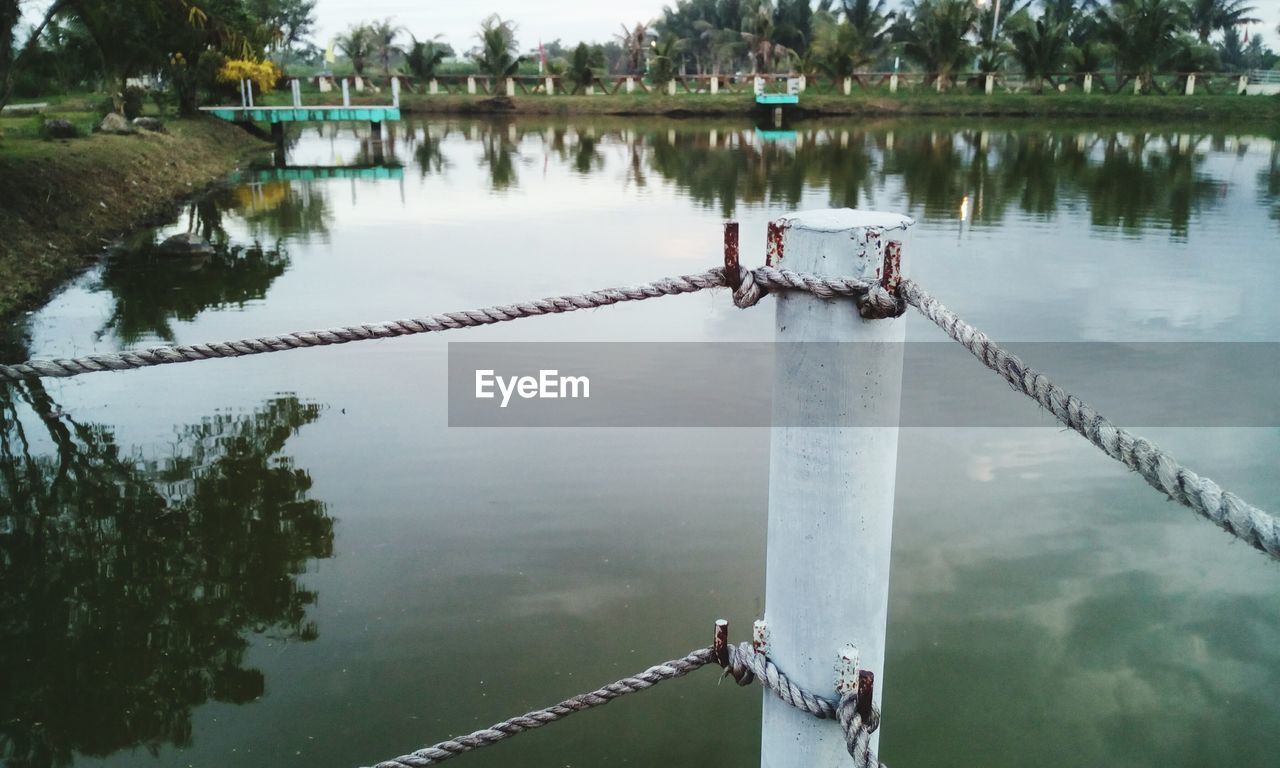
(831, 486)
(375, 130)
(346, 93)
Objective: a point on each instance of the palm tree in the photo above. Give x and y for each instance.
(936, 35)
(423, 57)
(1144, 33)
(1208, 16)
(634, 42)
(760, 31)
(496, 55)
(1040, 46)
(384, 34)
(854, 42)
(662, 59)
(357, 45)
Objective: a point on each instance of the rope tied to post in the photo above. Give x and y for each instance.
(743, 662)
(749, 286)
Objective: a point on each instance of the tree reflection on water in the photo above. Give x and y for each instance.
(1130, 180)
(130, 585)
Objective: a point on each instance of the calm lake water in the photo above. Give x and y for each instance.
(290, 560)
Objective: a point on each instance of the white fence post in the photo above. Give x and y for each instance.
(893, 83)
(1191, 84)
(296, 87)
(848, 86)
(346, 93)
(671, 87)
(1088, 82)
(990, 86)
(631, 85)
(434, 87)
(1242, 86)
(831, 487)
(715, 85)
(551, 86)
(471, 85)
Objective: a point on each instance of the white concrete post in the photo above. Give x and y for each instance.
(631, 85)
(1242, 87)
(1088, 83)
(938, 83)
(848, 86)
(346, 93)
(471, 85)
(893, 83)
(831, 487)
(1191, 84)
(433, 87)
(990, 85)
(671, 87)
(244, 99)
(591, 89)
(758, 86)
(296, 87)
(804, 83)
(1137, 85)
(715, 85)
(248, 87)
(359, 84)
(551, 86)
(395, 92)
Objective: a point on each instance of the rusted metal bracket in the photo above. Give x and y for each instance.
(732, 275)
(720, 646)
(891, 276)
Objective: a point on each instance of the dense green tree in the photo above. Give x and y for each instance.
(853, 41)
(936, 33)
(585, 65)
(1040, 45)
(289, 22)
(1144, 34)
(764, 34)
(1231, 50)
(424, 56)
(496, 55)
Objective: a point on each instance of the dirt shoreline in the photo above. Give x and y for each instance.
(61, 202)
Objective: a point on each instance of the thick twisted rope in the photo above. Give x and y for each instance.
(745, 664)
(754, 285)
(1157, 467)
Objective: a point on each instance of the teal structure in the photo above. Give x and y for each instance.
(776, 99)
(319, 172)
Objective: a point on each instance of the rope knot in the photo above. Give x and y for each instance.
(879, 304)
(749, 292)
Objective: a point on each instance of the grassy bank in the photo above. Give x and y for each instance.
(61, 200)
(1206, 107)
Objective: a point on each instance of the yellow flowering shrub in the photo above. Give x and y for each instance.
(264, 74)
